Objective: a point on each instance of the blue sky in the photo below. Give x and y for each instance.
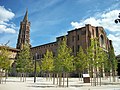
(52, 18)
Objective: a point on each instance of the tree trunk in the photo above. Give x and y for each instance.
(63, 79)
(97, 78)
(110, 75)
(113, 75)
(91, 76)
(57, 78)
(79, 76)
(23, 76)
(49, 77)
(20, 76)
(94, 77)
(91, 81)
(100, 80)
(100, 75)
(53, 78)
(0, 77)
(67, 79)
(6, 74)
(60, 80)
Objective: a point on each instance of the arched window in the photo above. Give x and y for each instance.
(102, 41)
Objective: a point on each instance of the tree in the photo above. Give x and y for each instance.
(101, 58)
(96, 57)
(81, 62)
(24, 62)
(38, 68)
(113, 62)
(47, 62)
(64, 60)
(90, 58)
(4, 60)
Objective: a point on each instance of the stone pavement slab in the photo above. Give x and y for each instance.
(14, 83)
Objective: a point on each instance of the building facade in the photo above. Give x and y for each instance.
(75, 39)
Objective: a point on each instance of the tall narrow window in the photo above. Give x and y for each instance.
(73, 49)
(73, 38)
(38, 56)
(78, 46)
(102, 42)
(78, 37)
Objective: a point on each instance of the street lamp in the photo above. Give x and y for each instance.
(118, 19)
(35, 68)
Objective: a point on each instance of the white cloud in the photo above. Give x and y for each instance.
(106, 20)
(116, 42)
(90, 20)
(5, 24)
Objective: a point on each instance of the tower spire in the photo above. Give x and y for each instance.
(26, 16)
(24, 32)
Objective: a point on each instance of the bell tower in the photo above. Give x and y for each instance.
(24, 32)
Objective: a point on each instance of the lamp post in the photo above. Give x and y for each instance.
(118, 19)
(35, 68)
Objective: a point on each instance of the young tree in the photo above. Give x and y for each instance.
(113, 62)
(38, 68)
(97, 58)
(4, 60)
(90, 58)
(47, 62)
(24, 62)
(64, 60)
(101, 58)
(81, 62)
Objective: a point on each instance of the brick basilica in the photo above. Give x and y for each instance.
(75, 39)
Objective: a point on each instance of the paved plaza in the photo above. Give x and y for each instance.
(14, 83)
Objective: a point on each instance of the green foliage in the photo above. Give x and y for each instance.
(4, 58)
(107, 64)
(96, 55)
(47, 62)
(81, 62)
(112, 59)
(37, 67)
(90, 54)
(64, 60)
(24, 61)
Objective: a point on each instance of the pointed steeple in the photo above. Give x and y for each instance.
(26, 16)
(24, 33)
